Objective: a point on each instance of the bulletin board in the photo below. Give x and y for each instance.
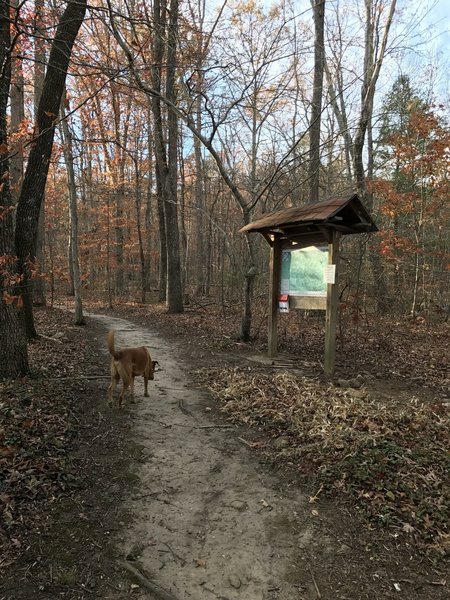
(303, 277)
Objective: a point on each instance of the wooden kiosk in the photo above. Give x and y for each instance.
(300, 227)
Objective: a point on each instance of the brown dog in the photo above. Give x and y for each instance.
(126, 364)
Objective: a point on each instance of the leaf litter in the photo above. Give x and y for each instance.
(388, 456)
(38, 425)
(391, 457)
(56, 454)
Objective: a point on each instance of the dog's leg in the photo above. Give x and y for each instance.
(146, 385)
(125, 385)
(114, 381)
(124, 373)
(111, 389)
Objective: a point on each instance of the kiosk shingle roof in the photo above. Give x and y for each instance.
(345, 212)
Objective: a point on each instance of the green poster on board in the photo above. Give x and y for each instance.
(302, 271)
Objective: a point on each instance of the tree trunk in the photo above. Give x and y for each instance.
(137, 200)
(378, 272)
(250, 276)
(316, 106)
(17, 110)
(201, 266)
(159, 20)
(336, 99)
(373, 59)
(174, 280)
(13, 347)
(108, 254)
(39, 159)
(162, 279)
(119, 240)
(166, 160)
(148, 208)
(39, 74)
(71, 184)
(185, 247)
(121, 124)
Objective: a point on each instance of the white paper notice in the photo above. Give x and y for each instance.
(329, 274)
(283, 307)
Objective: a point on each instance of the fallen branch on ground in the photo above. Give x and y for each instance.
(153, 587)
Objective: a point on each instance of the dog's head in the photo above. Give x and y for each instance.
(155, 367)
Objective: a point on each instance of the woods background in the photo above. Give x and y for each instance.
(182, 121)
(137, 137)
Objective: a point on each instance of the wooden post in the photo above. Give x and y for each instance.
(274, 290)
(332, 306)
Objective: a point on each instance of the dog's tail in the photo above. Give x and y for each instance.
(110, 342)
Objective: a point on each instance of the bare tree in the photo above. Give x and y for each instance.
(35, 178)
(40, 44)
(17, 103)
(13, 347)
(376, 39)
(242, 95)
(374, 53)
(73, 212)
(165, 43)
(318, 7)
(378, 19)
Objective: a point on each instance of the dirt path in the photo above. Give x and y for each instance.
(207, 522)
(164, 499)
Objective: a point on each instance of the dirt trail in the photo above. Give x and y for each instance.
(207, 521)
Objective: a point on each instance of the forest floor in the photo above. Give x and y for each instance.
(239, 478)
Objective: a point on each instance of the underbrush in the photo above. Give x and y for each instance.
(406, 351)
(39, 429)
(391, 457)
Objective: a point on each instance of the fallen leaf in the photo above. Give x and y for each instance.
(200, 562)
(314, 498)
